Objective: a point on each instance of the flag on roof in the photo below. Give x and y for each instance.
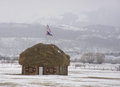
(48, 31)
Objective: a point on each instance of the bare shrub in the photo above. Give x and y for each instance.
(100, 58)
(87, 58)
(93, 58)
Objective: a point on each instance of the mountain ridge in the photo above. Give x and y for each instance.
(99, 38)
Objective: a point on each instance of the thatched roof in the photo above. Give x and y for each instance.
(44, 55)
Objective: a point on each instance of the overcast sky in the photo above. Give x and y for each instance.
(27, 11)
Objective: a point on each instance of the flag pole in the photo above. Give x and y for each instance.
(48, 33)
(46, 36)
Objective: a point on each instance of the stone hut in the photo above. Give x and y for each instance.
(44, 59)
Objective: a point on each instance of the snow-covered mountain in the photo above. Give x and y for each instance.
(14, 38)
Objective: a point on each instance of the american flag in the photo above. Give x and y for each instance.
(48, 31)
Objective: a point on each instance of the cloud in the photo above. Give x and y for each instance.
(104, 16)
(29, 10)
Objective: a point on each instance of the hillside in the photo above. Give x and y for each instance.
(15, 37)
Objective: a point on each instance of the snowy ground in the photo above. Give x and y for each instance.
(77, 77)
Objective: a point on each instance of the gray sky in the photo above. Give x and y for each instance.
(27, 11)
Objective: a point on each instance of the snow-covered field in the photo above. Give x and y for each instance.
(77, 77)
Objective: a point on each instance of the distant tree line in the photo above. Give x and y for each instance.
(5, 59)
(113, 61)
(93, 58)
(113, 54)
(96, 58)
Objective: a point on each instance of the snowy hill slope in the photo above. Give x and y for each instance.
(14, 38)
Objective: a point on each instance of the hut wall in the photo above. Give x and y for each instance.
(47, 70)
(63, 70)
(22, 69)
(30, 70)
(51, 70)
(56, 70)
